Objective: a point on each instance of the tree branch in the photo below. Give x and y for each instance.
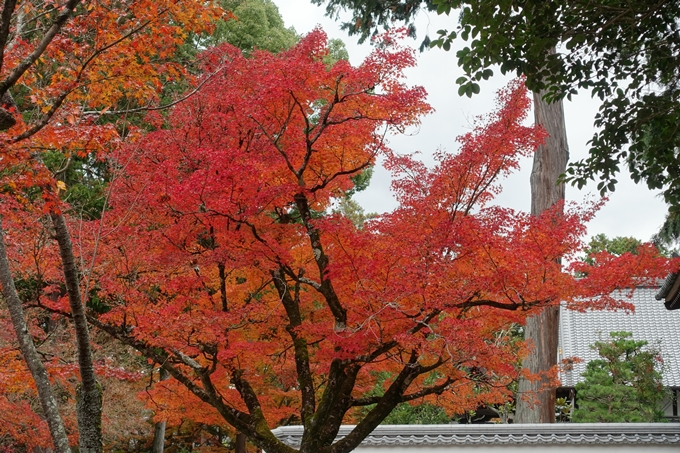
(27, 62)
(387, 403)
(44, 121)
(326, 287)
(5, 20)
(305, 378)
(158, 107)
(434, 390)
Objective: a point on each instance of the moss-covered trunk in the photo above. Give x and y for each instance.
(28, 350)
(89, 396)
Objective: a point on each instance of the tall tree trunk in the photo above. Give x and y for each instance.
(536, 402)
(159, 428)
(89, 392)
(35, 366)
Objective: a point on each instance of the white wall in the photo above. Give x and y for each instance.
(564, 448)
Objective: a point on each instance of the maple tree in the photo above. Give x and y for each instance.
(61, 65)
(36, 271)
(219, 262)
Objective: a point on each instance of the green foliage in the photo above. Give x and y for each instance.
(420, 414)
(353, 211)
(85, 179)
(616, 246)
(623, 386)
(337, 51)
(626, 52)
(361, 180)
(257, 24)
(563, 410)
(370, 17)
(348, 207)
(505, 410)
(668, 237)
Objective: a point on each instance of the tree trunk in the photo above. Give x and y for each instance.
(159, 437)
(89, 392)
(240, 443)
(159, 429)
(35, 366)
(536, 403)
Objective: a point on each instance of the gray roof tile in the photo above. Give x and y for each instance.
(650, 321)
(616, 434)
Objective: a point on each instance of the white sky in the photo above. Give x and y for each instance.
(632, 210)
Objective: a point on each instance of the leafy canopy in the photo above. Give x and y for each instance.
(220, 262)
(218, 259)
(255, 24)
(616, 246)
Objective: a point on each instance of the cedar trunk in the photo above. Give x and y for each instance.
(89, 392)
(536, 402)
(35, 366)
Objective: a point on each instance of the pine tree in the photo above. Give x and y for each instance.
(623, 386)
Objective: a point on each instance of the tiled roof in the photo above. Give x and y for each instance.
(670, 292)
(562, 433)
(651, 322)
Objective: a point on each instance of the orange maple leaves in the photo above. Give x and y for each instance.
(218, 260)
(224, 251)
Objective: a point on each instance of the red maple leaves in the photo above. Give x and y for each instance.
(219, 261)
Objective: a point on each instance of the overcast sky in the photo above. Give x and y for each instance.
(632, 210)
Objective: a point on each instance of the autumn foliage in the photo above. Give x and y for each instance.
(219, 262)
(217, 259)
(64, 65)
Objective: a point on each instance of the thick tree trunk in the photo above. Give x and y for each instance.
(550, 160)
(536, 402)
(89, 392)
(35, 366)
